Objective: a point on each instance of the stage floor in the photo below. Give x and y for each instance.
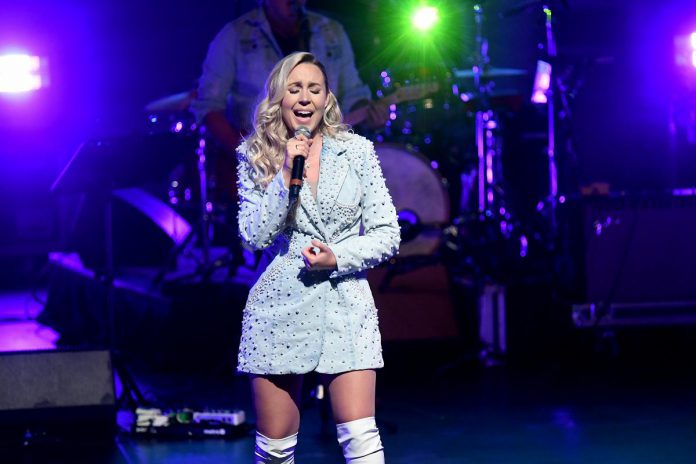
(432, 408)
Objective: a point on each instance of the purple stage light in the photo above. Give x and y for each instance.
(684, 192)
(542, 82)
(524, 246)
(21, 73)
(685, 51)
(539, 98)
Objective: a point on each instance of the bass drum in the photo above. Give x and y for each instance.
(420, 197)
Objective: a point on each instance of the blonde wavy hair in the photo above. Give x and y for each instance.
(266, 145)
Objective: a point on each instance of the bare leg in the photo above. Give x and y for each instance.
(352, 394)
(277, 404)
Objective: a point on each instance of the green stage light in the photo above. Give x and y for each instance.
(424, 18)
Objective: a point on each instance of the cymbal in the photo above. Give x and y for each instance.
(489, 72)
(173, 103)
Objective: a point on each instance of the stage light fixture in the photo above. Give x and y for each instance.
(20, 73)
(685, 51)
(542, 82)
(424, 18)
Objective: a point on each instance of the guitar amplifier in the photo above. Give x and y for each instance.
(640, 259)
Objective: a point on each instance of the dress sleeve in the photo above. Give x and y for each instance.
(262, 211)
(381, 237)
(218, 74)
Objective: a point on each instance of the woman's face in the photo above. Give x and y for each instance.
(305, 98)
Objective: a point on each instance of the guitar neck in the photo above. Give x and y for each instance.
(403, 94)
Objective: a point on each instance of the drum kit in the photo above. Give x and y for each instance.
(466, 217)
(445, 123)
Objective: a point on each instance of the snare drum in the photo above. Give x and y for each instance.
(417, 189)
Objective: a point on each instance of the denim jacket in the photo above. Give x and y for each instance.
(243, 53)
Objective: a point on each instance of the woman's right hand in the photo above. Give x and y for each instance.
(296, 146)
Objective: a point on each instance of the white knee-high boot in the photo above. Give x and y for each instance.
(360, 441)
(275, 450)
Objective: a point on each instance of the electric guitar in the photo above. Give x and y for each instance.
(402, 94)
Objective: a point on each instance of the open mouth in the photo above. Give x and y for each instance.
(302, 114)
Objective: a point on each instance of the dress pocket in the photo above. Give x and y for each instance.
(349, 196)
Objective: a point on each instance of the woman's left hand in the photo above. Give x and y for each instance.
(319, 257)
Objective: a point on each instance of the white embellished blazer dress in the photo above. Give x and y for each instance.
(295, 320)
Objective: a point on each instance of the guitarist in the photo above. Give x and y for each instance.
(245, 50)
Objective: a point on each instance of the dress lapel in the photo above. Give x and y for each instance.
(309, 205)
(332, 173)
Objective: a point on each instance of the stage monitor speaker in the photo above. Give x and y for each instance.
(54, 395)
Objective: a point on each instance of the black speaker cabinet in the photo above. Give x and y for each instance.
(640, 250)
(56, 394)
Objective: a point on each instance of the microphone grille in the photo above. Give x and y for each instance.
(302, 130)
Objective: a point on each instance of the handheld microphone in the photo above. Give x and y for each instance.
(298, 167)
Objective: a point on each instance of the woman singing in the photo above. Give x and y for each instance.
(311, 309)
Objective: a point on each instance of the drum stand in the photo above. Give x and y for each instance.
(489, 192)
(202, 230)
(490, 204)
(206, 208)
(203, 226)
